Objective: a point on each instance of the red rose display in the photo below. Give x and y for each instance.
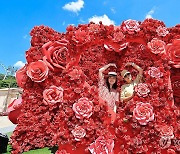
(56, 54)
(142, 90)
(162, 31)
(131, 26)
(157, 46)
(173, 51)
(83, 108)
(102, 146)
(37, 71)
(78, 133)
(155, 72)
(21, 76)
(53, 95)
(143, 112)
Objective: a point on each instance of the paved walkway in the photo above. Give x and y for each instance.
(6, 125)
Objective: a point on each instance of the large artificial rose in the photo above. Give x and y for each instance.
(102, 146)
(55, 54)
(173, 51)
(131, 26)
(157, 46)
(53, 95)
(142, 90)
(37, 71)
(166, 131)
(175, 80)
(83, 108)
(162, 31)
(21, 77)
(143, 112)
(78, 133)
(155, 72)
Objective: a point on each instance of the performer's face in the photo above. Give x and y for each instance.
(128, 78)
(112, 80)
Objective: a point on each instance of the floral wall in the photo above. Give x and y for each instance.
(61, 106)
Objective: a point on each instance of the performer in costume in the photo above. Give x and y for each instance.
(127, 90)
(107, 89)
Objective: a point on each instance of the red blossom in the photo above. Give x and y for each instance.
(102, 145)
(130, 26)
(162, 31)
(143, 112)
(157, 46)
(37, 71)
(78, 133)
(83, 108)
(173, 51)
(53, 95)
(155, 72)
(142, 90)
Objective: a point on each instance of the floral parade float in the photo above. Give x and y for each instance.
(60, 102)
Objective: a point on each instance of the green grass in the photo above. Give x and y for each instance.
(37, 151)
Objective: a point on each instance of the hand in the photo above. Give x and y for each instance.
(129, 64)
(112, 64)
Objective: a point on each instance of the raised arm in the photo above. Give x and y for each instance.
(101, 70)
(140, 70)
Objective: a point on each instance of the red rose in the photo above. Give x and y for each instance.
(143, 113)
(166, 131)
(21, 77)
(175, 80)
(53, 95)
(118, 36)
(37, 71)
(131, 26)
(173, 51)
(75, 73)
(102, 146)
(83, 108)
(162, 31)
(78, 133)
(55, 54)
(142, 90)
(155, 72)
(157, 46)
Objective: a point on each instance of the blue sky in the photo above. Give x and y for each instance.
(18, 17)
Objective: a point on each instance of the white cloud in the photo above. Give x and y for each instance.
(19, 64)
(74, 6)
(150, 13)
(63, 23)
(105, 20)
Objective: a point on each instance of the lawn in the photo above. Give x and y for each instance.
(37, 151)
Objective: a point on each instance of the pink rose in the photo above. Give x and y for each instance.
(157, 46)
(142, 90)
(75, 73)
(53, 95)
(78, 133)
(155, 72)
(173, 51)
(131, 26)
(162, 31)
(102, 146)
(118, 36)
(21, 77)
(37, 71)
(166, 131)
(55, 54)
(143, 113)
(83, 108)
